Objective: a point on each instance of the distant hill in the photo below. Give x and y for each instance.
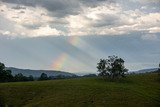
(37, 73)
(145, 70)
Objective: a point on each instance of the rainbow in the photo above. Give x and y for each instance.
(60, 61)
(74, 40)
(63, 60)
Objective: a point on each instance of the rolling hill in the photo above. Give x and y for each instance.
(145, 70)
(37, 73)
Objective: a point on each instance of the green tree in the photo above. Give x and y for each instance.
(43, 77)
(30, 78)
(112, 67)
(5, 75)
(158, 71)
(19, 77)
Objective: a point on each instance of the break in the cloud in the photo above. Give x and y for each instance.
(32, 18)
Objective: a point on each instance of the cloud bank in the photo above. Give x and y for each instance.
(34, 18)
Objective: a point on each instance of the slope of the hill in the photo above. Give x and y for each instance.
(140, 90)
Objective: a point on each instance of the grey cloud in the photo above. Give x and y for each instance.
(59, 8)
(33, 26)
(21, 2)
(146, 1)
(60, 21)
(95, 3)
(107, 20)
(18, 7)
(110, 20)
(57, 23)
(22, 12)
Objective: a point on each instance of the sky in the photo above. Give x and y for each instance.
(72, 35)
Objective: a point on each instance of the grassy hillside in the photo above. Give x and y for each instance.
(141, 90)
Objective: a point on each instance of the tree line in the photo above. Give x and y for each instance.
(112, 67)
(6, 76)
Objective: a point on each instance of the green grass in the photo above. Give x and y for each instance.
(141, 90)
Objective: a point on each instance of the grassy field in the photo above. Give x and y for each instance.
(141, 90)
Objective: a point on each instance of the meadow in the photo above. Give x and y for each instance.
(136, 90)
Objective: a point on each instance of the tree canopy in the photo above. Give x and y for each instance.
(5, 75)
(112, 67)
(43, 77)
